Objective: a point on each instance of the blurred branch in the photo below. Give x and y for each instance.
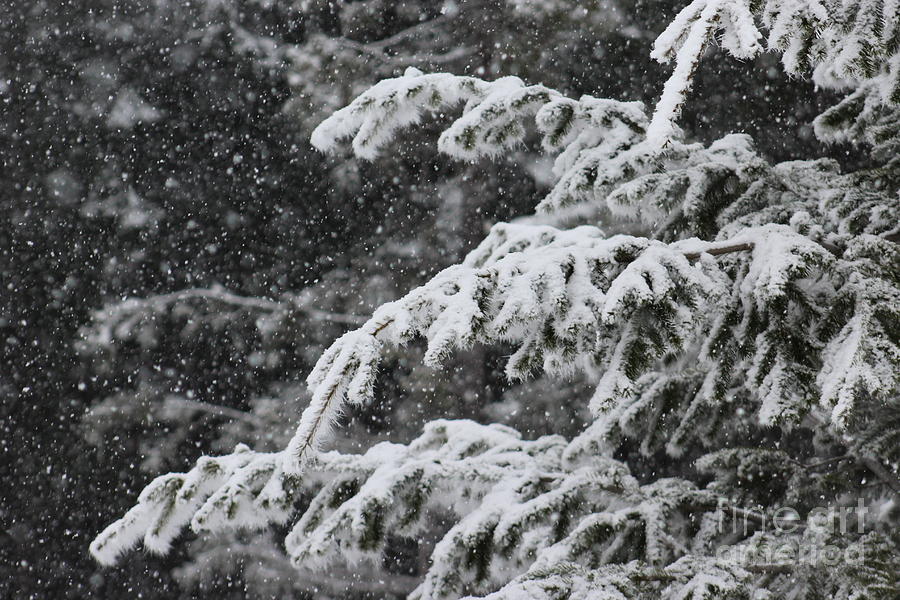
(378, 49)
(407, 59)
(214, 409)
(379, 586)
(454, 54)
(411, 32)
(218, 294)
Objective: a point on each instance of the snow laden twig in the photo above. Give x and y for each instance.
(244, 489)
(684, 41)
(345, 372)
(602, 155)
(490, 125)
(166, 505)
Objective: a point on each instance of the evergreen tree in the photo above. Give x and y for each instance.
(738, 320)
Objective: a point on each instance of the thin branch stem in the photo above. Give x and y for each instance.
(720, 250)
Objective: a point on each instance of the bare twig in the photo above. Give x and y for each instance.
(719, 250)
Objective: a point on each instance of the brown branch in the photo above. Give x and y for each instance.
(719, 250)
(381, 327)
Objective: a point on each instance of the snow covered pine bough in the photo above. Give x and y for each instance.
(741, 318)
